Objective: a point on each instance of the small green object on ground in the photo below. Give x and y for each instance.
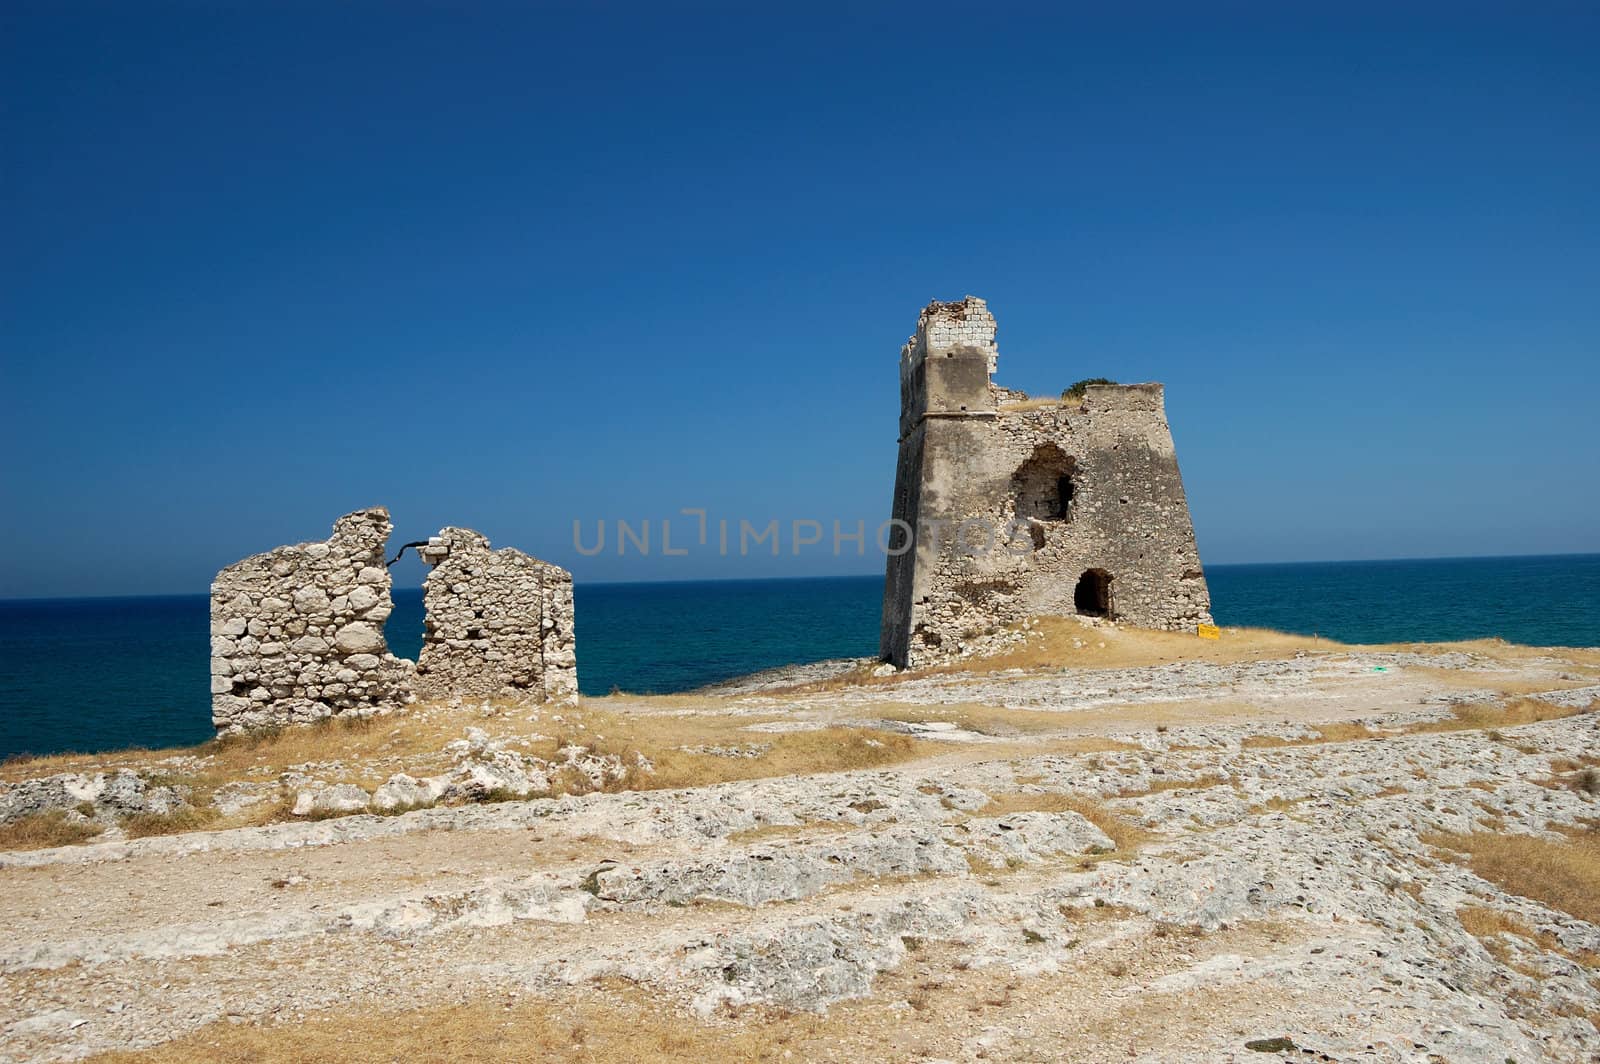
(1271, 1045)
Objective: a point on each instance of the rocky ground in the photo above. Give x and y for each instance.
(1266, 848)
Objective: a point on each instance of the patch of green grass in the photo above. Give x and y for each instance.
(1078, 389)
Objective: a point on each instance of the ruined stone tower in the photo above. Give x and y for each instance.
(1008, 507)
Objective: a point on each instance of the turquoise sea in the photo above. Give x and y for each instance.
(98, 674)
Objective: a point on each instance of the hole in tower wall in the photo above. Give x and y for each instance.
(1045, 486)
(1092, 596)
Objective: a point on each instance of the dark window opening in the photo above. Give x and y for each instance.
(1044, 485)
(1092, 596)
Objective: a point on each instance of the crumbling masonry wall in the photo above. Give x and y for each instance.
(297, 632)
(497, 621)
(1081, 495)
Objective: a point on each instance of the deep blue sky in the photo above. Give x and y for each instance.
(507, 266)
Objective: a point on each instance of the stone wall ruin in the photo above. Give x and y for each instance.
(297, 632)
(1087, 497)
(497, 621)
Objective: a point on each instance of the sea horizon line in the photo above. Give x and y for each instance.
(23, 599)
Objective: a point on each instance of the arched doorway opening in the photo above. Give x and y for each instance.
(1092, 596)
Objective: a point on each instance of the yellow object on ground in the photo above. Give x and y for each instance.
(1208, 631)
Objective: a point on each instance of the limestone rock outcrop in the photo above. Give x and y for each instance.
(104, 796)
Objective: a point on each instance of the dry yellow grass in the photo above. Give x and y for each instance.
(368, 751)
(1019, 406)
(1509, 653)
(1563, 874)
(268, 752)
(194, 818)
(414, 732)
(44, 830)
(1335, 732)
(1344, 732)
(794, 753)
(1480, 922)
(1579, 775)
(1508, 684)
(1504, 715)
(1591, 1016)
(1156, 786)
(27, 766)
(1127, 835)
(1485, 924)
(620, 1029)
(376, 747)
(1277, 805)
(371, 749)
(1073, 745)
(860, 676)
(1050, 644)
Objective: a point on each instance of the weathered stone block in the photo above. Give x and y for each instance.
(359, 638)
